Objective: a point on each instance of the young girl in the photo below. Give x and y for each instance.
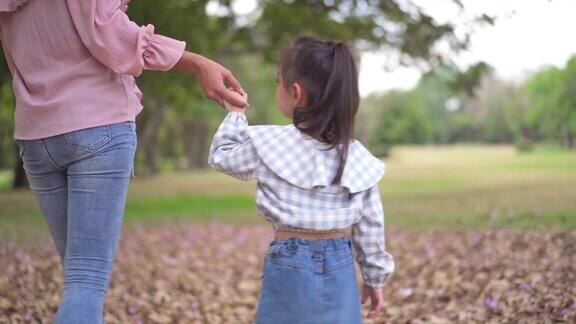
(315, 185)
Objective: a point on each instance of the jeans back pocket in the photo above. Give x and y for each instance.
(90, 139)
(336, 259)
(290, 256)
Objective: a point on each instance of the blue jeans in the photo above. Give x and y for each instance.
(80, 180)
(307, 281)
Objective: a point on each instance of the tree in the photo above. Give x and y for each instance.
(566, 111)
(449, 96)
(434, 90)
(489, 108)
(544, 89)
(402, 120)
(176, 124)
(518, 113)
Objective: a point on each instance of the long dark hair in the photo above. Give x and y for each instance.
(328, 73)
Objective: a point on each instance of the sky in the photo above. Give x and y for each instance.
(528, 34)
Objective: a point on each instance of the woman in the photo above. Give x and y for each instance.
(73, 65)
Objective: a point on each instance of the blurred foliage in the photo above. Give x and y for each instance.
(564, 112)
(476, 106)
(448, 105)
(402, 120)
(176, 125)
(8, 149)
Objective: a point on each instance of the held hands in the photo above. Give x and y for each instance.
(239, 96)
(124, 5)
(214, 79)
(376, 299)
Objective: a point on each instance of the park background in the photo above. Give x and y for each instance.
(470, 104)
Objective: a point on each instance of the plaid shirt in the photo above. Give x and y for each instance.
(295, 191)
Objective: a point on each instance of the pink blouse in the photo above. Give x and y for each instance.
(73, 63)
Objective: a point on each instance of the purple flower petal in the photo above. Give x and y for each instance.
(491, 303)
(526, 286)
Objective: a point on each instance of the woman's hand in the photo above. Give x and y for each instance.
(376, 299)
(240, 96)
(214, 79)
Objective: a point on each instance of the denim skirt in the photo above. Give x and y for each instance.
(309, 281)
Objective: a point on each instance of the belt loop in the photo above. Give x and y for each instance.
(316, 246)
(275, 249)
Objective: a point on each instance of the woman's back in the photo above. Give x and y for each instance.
(59, 86)
(72, 64)
(42, 34)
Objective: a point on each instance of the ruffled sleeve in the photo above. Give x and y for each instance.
(119, 43)
(231, 151)
(11, 5)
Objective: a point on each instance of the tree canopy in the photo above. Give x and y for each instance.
(176, 125)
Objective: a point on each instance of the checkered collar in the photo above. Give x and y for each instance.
(302, 160)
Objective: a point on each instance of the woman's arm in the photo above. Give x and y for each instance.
(213, 78)
(126, 48)
(120, 44)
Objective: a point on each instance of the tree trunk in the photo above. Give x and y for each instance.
(20, 180)
(524, 138)
(202, 145)
(190, 147)
(196, 147)
(150, 138)
(568, 140)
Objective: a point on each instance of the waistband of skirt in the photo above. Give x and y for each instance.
(314, 245)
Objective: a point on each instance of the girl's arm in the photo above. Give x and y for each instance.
(231, 151)
(368, 238)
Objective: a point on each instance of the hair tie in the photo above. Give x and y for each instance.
(337, 45)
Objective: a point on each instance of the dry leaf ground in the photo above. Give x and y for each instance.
(441, 202)
(210, 273)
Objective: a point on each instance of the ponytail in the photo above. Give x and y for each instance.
(329, 74)
(343, 86)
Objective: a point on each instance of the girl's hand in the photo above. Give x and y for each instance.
(376, 299)
(242, 96)
(124, 5)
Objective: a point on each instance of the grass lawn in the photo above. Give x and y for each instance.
(463, 186)
(5, 179)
